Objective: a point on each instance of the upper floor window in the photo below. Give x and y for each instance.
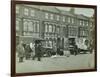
(26, 11)
(46, 15)
(72, 20)
(58, 30)
(51, 16)
(63, 19)
(32, 13)
(17, 9)
(69, 19)
(30, 26)
(87, 23)
(46, 28)
(91, 24)
(38, 26)
(25, 26)
(50, 28)
(72, 31)
(54, 27)
(83, 32)
(34, 26)
(58, 17)
(17, 25)
(81, 22)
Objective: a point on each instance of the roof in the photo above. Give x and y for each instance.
(81, 16)
(49, 8)
(54, 9)
(34, 6)
(67, 13)
(46, 8)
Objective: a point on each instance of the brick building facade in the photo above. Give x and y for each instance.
(53, 25)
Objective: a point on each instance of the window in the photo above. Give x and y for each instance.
(91, 24)
(46, 15)
(81, 23)
(46, 28)
(26, 11)
(72, 20)
(58, 17)
(17, 9)
(87, 23)
(50, 44)
(83, 32)
(64, 31)
(63, 19)
(54, 28)
(30, 26)
(34, 26)
(38, 27)
(72, 31)
(51, 16)
(46, 43)
(25, 26)
(69, 19)
(17, 25)
(58, 30)
(32, 13)
(50, 28)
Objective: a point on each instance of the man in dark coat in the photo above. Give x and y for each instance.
(38, 50)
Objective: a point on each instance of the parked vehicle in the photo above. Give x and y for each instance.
(72, 47)
(83, 47)
(47, 51)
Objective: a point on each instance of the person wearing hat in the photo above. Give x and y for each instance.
(38, 50)
(21, 51)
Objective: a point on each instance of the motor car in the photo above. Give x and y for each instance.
(47, 51)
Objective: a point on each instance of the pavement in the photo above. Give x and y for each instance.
(56, 63)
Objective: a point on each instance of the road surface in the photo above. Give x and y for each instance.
(82, 61)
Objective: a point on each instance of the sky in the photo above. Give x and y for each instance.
(85, 11)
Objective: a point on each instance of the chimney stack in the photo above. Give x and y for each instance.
(72, 10)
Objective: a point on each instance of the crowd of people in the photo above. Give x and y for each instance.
(27, 51)
(35, 50)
